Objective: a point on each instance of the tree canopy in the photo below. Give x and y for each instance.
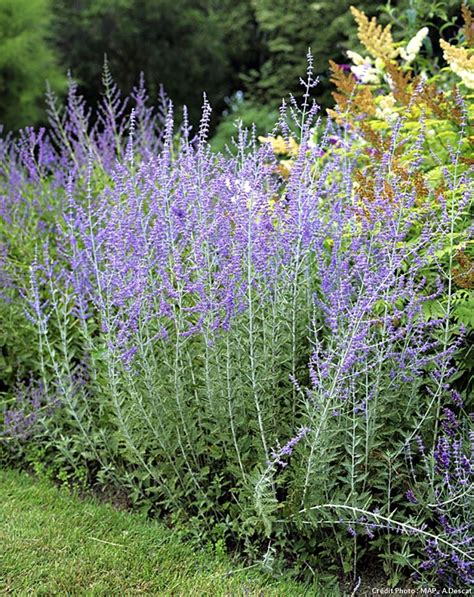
(27, 60)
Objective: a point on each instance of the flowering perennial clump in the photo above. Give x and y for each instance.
(191, 311)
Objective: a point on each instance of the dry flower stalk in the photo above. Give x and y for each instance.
(463, 276)
(378, 41)
(460, 61)
(468, 28)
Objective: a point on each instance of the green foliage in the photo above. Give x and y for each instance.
(289, 28)
(26, 61)
(408, 16)
(175, 43)
(246, 113)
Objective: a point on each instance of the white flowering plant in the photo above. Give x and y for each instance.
(392, 81)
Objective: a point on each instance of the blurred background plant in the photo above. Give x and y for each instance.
(253, 47)
(27, 60)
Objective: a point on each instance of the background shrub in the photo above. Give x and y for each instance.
(26, 61)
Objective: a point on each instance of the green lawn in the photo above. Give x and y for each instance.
(53, 543)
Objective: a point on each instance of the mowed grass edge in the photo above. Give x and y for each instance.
(54, 543)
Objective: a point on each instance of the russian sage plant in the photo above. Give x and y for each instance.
(249, 352)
